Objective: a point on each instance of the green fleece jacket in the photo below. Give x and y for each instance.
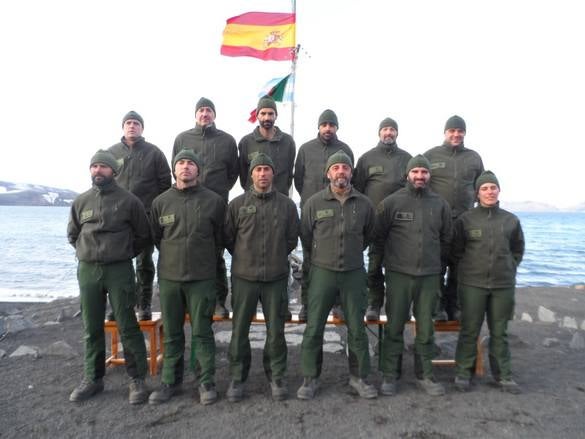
(488, 245)
(453, 175)
(413, 231)
(187, 229)
(219, 153)
(108, 224)
(334, 235)
(310, 175)
(260, 231)
(381, 171)
(281, 149)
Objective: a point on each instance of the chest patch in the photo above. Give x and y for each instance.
(85, 215)
(247, 210)
(438, 165)
(372, 170)
(404, 216)
(165, 220)
(325, 213)
(475, 233)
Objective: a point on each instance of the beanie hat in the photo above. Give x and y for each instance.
(338, 157)
(106, 158)
(261, 159)
(266, 102)
(388, 122)
(455, 122)
(418, 161)
(134, 116)
(486, 177)
(328, 116)
(204, 102)
(187, 154)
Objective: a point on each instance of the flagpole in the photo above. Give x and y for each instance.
(294, 76)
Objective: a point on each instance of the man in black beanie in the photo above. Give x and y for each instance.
(219, 154)
(310, 179)
(380, 172)
(455, 169)
(145, 172)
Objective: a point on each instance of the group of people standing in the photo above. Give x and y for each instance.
(415, 216)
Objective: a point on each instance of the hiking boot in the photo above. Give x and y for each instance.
(207, 393)
(373, 313)
(137, 391)
(337, 312)
(363, 388)
(303, 314)
(164, 393)
(431, 387)
(144, 314)
(87, 389)
(462, 384)
(235, 392)
(389, 387)
(308, 389)
(279, 389)
(509, 386)
(221, 311)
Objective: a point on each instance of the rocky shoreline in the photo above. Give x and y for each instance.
(41, 361)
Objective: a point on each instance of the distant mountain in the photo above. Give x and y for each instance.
(535, 206)
(20, 194)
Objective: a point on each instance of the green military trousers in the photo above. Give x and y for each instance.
(274, 299)
(422, 292)
(324, 285)
(197, 298)
(375, 280)
(116, 280)
(498, 305)
(144, 277)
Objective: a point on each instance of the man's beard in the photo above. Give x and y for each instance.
(100, 180)
(341, 183)
(267, 124)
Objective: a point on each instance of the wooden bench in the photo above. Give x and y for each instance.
(152, 328)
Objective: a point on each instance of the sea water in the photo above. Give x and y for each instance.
(38, 264)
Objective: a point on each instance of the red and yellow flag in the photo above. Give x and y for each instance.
(264, 35)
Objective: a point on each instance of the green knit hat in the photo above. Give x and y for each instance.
(106, 158)
(338, 157)
(455, 122)
(418, 161)
(266, 102)
(261, 159)
(388, 122)
(486, 177)
(204, 102)
(328, 116)
(187, 154)
(134, 116)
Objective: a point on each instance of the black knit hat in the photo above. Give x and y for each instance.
(328, 116)
(134, 116)
(266, 102)
(455, 122)
(418, 161)
(106, 158)
(204, 102)
(388, 122)
(486, 177)
(338, 157)
(188, 154)
(261, 159)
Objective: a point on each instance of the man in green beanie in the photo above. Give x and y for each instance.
(219, 153)
(310, 179)
(380, 172)
(145, 172)
(336, 227)
(108, 227)
(455, 169)
(187, 224)
(267, 138)
(261, 229)
(412, 237)
(488, 245)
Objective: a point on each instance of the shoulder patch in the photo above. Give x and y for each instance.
(247, 210)
(165, 220)
(475, 233)
(253, 155)
(404, 216)
(85, 215)
(325, 213)
(120, 162)
(372, 170)
(438, 165)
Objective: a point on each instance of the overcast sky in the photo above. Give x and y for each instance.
(72, 69)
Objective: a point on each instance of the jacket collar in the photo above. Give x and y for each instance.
(205, 130)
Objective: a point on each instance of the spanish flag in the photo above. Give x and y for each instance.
(264, 35)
